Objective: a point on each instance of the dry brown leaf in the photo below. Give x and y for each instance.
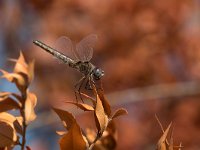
(66, 117)
(22, 67)
(162, 144)
(18, 125)
(73, 140)
(15, 122)
(109, 138)
(31, 71)
(89, 98)
(119, 112)
(8, 118)
(101, 119)
(30, 104)
(22, 75)
(82, 106)
(104, 101)
(7, 103)
(16, 78)
(7, 135)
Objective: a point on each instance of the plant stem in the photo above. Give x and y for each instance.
(95, 140)
(24, 96)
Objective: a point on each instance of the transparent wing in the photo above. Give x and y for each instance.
(84, 49)
(64, 45)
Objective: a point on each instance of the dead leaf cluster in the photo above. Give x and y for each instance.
(76, 138)
(163, 143)
(13, 128)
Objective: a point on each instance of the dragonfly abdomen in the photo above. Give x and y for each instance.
(55, 53)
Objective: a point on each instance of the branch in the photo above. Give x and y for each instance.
(159, 91)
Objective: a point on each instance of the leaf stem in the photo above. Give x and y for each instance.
(24, 96)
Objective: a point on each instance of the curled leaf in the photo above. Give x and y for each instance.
(119, 112)
(30, 104)
(101, 119)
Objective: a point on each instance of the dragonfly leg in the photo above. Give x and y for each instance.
(79, 85)
(88, 84)
(91, 82)
(79, 89)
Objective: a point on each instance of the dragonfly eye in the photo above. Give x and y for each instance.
(98, 73)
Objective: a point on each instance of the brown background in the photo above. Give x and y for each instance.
(149, 50)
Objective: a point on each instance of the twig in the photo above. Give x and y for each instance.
(159, 123)
(95, 140)
(159, 91)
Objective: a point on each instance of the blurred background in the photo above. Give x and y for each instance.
(149, 50)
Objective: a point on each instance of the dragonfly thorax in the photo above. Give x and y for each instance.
(88, 68)
(84, 67)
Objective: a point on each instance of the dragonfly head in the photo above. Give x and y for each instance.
(98, 73)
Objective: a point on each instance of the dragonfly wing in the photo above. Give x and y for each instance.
(84, 49)
(64, 44)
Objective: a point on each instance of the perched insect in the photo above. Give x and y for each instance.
(80, 59)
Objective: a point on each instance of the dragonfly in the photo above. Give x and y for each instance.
(78, 57)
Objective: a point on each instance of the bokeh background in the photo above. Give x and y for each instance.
(149, 50)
